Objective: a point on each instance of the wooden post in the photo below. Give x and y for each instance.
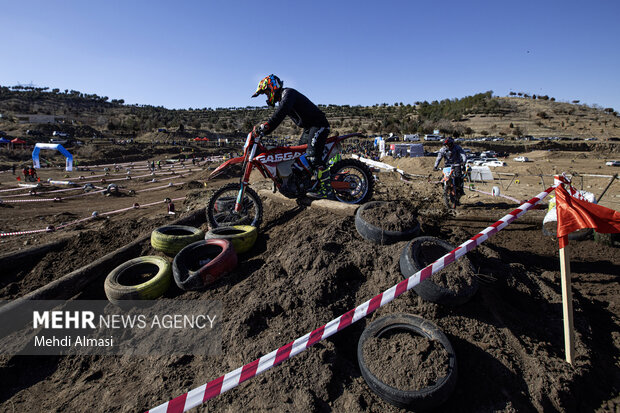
(611, 181)
(567, 305)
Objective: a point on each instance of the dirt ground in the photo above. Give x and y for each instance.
(308, 267)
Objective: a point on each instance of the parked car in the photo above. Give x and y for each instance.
(32, 132)
(521, 159)
(61, 134)
(494, 163)
(612, 163)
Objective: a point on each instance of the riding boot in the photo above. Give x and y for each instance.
(324, 187)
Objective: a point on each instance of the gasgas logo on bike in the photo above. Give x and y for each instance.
(279, 157)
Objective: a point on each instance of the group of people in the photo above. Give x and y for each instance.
(30, 174)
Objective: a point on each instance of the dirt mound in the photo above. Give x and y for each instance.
(411, 165)
(310, 266)
(392, 216)
(192, 185)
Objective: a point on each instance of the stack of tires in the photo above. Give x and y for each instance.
(198, 260)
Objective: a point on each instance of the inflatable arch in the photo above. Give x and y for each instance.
(53, 146)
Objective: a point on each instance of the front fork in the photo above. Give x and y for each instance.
(245, 180)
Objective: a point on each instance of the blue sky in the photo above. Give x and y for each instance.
(213, 53)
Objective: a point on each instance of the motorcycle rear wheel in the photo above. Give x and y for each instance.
(358, 175)
(220, 210)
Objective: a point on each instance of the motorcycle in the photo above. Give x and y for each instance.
(287, 166)
(451, 191)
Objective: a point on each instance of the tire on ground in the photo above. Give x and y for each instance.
(422, 399)
(202, 263)
(612, 240)
(142, 278)
(410, 263)
(242, 237)
(171, 239)
(550, 229)
(378, 235)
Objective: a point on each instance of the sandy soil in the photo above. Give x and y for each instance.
(309, 266)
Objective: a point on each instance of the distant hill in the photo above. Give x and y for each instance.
(86, 116)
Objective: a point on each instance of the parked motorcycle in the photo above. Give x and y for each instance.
(287, 166)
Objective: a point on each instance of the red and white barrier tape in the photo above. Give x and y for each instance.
(6, 234)
(13, 189)
(160, 187)
(13, 201)
(232, 379)
(491, 194)
(42, 191)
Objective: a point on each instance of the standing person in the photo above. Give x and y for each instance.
(13, 168)
(304, 114)
(455, 156)
(31, 174)
(26, 171)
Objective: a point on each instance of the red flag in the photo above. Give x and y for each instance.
(574, 214)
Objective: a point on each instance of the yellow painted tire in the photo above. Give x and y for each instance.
(142, 278)
(242, 237)
(171, 239)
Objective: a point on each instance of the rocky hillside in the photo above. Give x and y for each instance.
(87, 116)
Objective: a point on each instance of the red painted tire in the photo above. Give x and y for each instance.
(203, 262)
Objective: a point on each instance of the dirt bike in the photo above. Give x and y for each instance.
(287, 166)
(451, 191)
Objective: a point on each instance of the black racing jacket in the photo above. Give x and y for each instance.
(453, 156)
(299, 108)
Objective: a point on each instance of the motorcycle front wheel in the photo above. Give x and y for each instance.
(221, 212)
(449, 195)
(358, 177)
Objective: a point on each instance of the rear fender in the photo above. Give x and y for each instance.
(225, 165)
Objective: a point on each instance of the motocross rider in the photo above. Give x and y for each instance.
(304, 114)
(454, 156)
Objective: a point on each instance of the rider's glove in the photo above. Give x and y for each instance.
(436, 168)
(263, 128)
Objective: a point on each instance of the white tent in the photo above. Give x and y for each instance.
(481, 174)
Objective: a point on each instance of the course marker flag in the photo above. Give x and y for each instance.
(574, 214)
